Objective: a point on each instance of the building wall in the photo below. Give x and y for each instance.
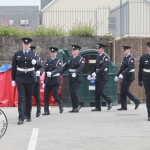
(135, 19)
(73, 13)
(83, 4)
(139, 48)
(139, 22)
(18, 13)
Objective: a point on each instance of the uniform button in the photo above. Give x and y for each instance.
(25, 67)
(25, 62)
(25, 72)
(25, 57)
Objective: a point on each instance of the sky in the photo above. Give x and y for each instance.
(112, 3)
(19, 2)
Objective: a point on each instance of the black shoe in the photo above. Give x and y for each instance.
(71, 111)
(77, 109)
(20, 122)
(148, 119)
(109, 106)
(38, 113)
(61, 109)
(119, 109)
(46, 113)
(28, 120)
(95, 109)
(136, 105)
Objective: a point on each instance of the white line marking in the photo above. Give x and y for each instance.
(33, 139)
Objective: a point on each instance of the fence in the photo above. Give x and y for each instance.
(70, 18)
(130, 19)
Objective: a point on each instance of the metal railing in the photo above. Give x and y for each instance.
(70, 18)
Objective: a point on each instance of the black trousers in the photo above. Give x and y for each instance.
(24, 96)
(147, 93)
(99, 91)
(73, 87)
(36, 94)
(125, 92)
(47, 90)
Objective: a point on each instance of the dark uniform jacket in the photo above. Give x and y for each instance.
(77, 64)
(144, 64)
(101, 67)
(39, 67)
(24, 62)
(127, 65)
(53, 66)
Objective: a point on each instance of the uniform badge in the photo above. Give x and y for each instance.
(100, 61)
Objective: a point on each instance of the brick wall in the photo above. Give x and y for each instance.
(139, 48)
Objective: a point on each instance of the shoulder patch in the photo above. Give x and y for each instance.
(131, 60)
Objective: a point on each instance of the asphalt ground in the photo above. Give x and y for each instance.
(86, 130)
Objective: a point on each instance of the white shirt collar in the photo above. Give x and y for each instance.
(101, 54)
(128, 55)
(53, 58)
(25, 51)
(75, 56)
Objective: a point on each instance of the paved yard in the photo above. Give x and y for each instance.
(86, 130)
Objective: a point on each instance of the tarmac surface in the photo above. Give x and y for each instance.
(86, 130)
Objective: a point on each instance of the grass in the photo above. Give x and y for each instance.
(78, 29)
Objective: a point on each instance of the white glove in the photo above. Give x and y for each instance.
(73, 75)
(33, 61)
(93, 74)
(43, 86)
(89, 77)
(49, 74)
(13, 83)
(120, 76)
(116, 78)
(37, 73)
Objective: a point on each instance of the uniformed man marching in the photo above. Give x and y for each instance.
(52, 80)
(100, 71)
(76, 64)
(24, 77)
(126, 73)
(36, 90)
(144, 76)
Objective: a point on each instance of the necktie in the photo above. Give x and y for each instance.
(25, 53)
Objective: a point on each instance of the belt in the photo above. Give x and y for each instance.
(146, 70)
(57, 74)
(132, 70)
(72, 70)
(104, 69)
(25, 70)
